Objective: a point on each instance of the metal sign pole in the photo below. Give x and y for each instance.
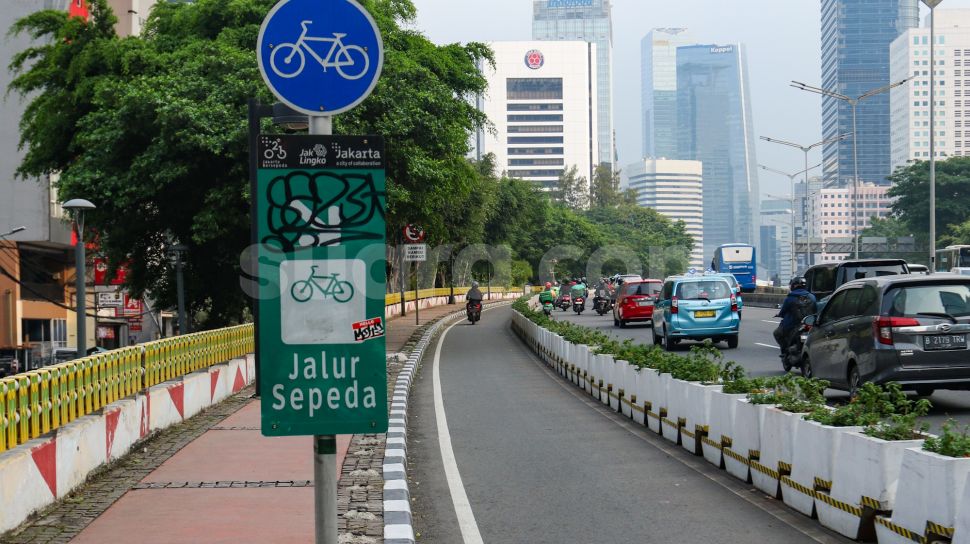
(324, 446)
(417, 302)
(402, 273)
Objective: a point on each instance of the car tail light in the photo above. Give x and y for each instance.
(734, 302)
(674, 305)
(882, 327)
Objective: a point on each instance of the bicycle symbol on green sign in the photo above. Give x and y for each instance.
(340, 290)
(349, 66)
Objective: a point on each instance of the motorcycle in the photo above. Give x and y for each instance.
(793, 355)
(564, 302)
(579, 304)
(547, 308)
(601, 305)
(474, 310)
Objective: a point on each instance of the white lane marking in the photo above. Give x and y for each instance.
(765, 345)
(463, 509)
(770, 321)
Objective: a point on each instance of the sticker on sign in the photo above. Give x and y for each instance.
(366, 330)
(416, 252)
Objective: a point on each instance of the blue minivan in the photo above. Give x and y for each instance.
(696, 307)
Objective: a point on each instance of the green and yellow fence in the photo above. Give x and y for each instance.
(39, 401)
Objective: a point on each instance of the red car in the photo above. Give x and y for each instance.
(635, 301)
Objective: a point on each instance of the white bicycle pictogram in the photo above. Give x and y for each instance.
(340, 56)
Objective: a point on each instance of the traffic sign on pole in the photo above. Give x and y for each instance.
(415, 253)
(413, 234)
(320, 207)
(320, 58)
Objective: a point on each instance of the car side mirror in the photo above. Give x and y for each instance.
(809, 320)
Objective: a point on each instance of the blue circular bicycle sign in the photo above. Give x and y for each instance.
(320, 58)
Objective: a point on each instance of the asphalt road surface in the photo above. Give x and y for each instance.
(502, 450)
(758, 353)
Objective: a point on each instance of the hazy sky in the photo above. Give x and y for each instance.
(782, 38)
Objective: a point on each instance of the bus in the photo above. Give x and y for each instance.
(739, 260)
(952, 257)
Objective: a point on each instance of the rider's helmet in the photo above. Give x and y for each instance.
(548, 285)
(797, 282)
(475, 284)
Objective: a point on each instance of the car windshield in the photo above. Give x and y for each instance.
(941, 298)
(707, 289)
(731, 280)
(855, 272)
(646, 289)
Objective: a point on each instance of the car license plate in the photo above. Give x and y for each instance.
(704, 313)
(644, 303)
(945, 341)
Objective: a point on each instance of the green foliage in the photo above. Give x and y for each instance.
(744, 385)
(910, 187)
(952, 442)
(792, 394)
(572, 190)
(605, 190)
(885, 411)
(703, 363)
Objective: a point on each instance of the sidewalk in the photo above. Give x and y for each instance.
(233, 485)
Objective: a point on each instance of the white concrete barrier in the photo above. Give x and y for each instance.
(657, 397)
(779, 430)
(932, 488)
(962, 534)
(698, 416)
(640, 392)
(197, 392)
(748, 419)
(612, 382)
(122, 421)
(626, 387)
(676, 407)
(816, 448)
(28, 480)
(864, 476)
(720, 426)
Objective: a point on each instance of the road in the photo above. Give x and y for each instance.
(758, 354)
(510, 452)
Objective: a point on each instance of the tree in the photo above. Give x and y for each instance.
(606, 188)
(153, 130)
(572, 190)
(911, 190)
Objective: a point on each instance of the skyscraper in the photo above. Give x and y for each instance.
(856, 36)
(715, 127)
(541, 100)
(676, 190)
(591, 21)
(658, 56)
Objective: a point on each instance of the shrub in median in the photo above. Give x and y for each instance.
(792, 394)
(951, 442)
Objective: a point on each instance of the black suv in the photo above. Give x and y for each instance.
(824, 279)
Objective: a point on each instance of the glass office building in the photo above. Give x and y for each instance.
(715, 127)
(590, 21)
(856, 37)
(658, 56)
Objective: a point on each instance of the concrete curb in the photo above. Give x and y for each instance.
(398, 521)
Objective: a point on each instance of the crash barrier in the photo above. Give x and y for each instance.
(37, 402)
(438, 296)
(861, 487)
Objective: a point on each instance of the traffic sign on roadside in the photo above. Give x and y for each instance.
(413, 234)
(320, 206)
(320, 58)
(415, 253)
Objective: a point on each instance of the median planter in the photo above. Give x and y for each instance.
(720, 426)
(748, 419)
(816, 448)
(612, 380)
(638, 394)
(626, 387)
(656, 395)
(676, 407)
(779, 430)
(865, 475)
(962, 535)
(931, 493)
(698, 416)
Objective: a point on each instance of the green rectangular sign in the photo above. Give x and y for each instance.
(320, 203)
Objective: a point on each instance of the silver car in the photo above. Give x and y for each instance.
(907, 329)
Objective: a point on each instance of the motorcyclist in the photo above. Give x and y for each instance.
(798, 304)
(547, 295)
(474, 295)
(579, 289)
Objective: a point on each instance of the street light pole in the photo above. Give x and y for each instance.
(180, 287)
(853, 102)
(805, 149)
(78, 206)
(791, 179)
(932, 5)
